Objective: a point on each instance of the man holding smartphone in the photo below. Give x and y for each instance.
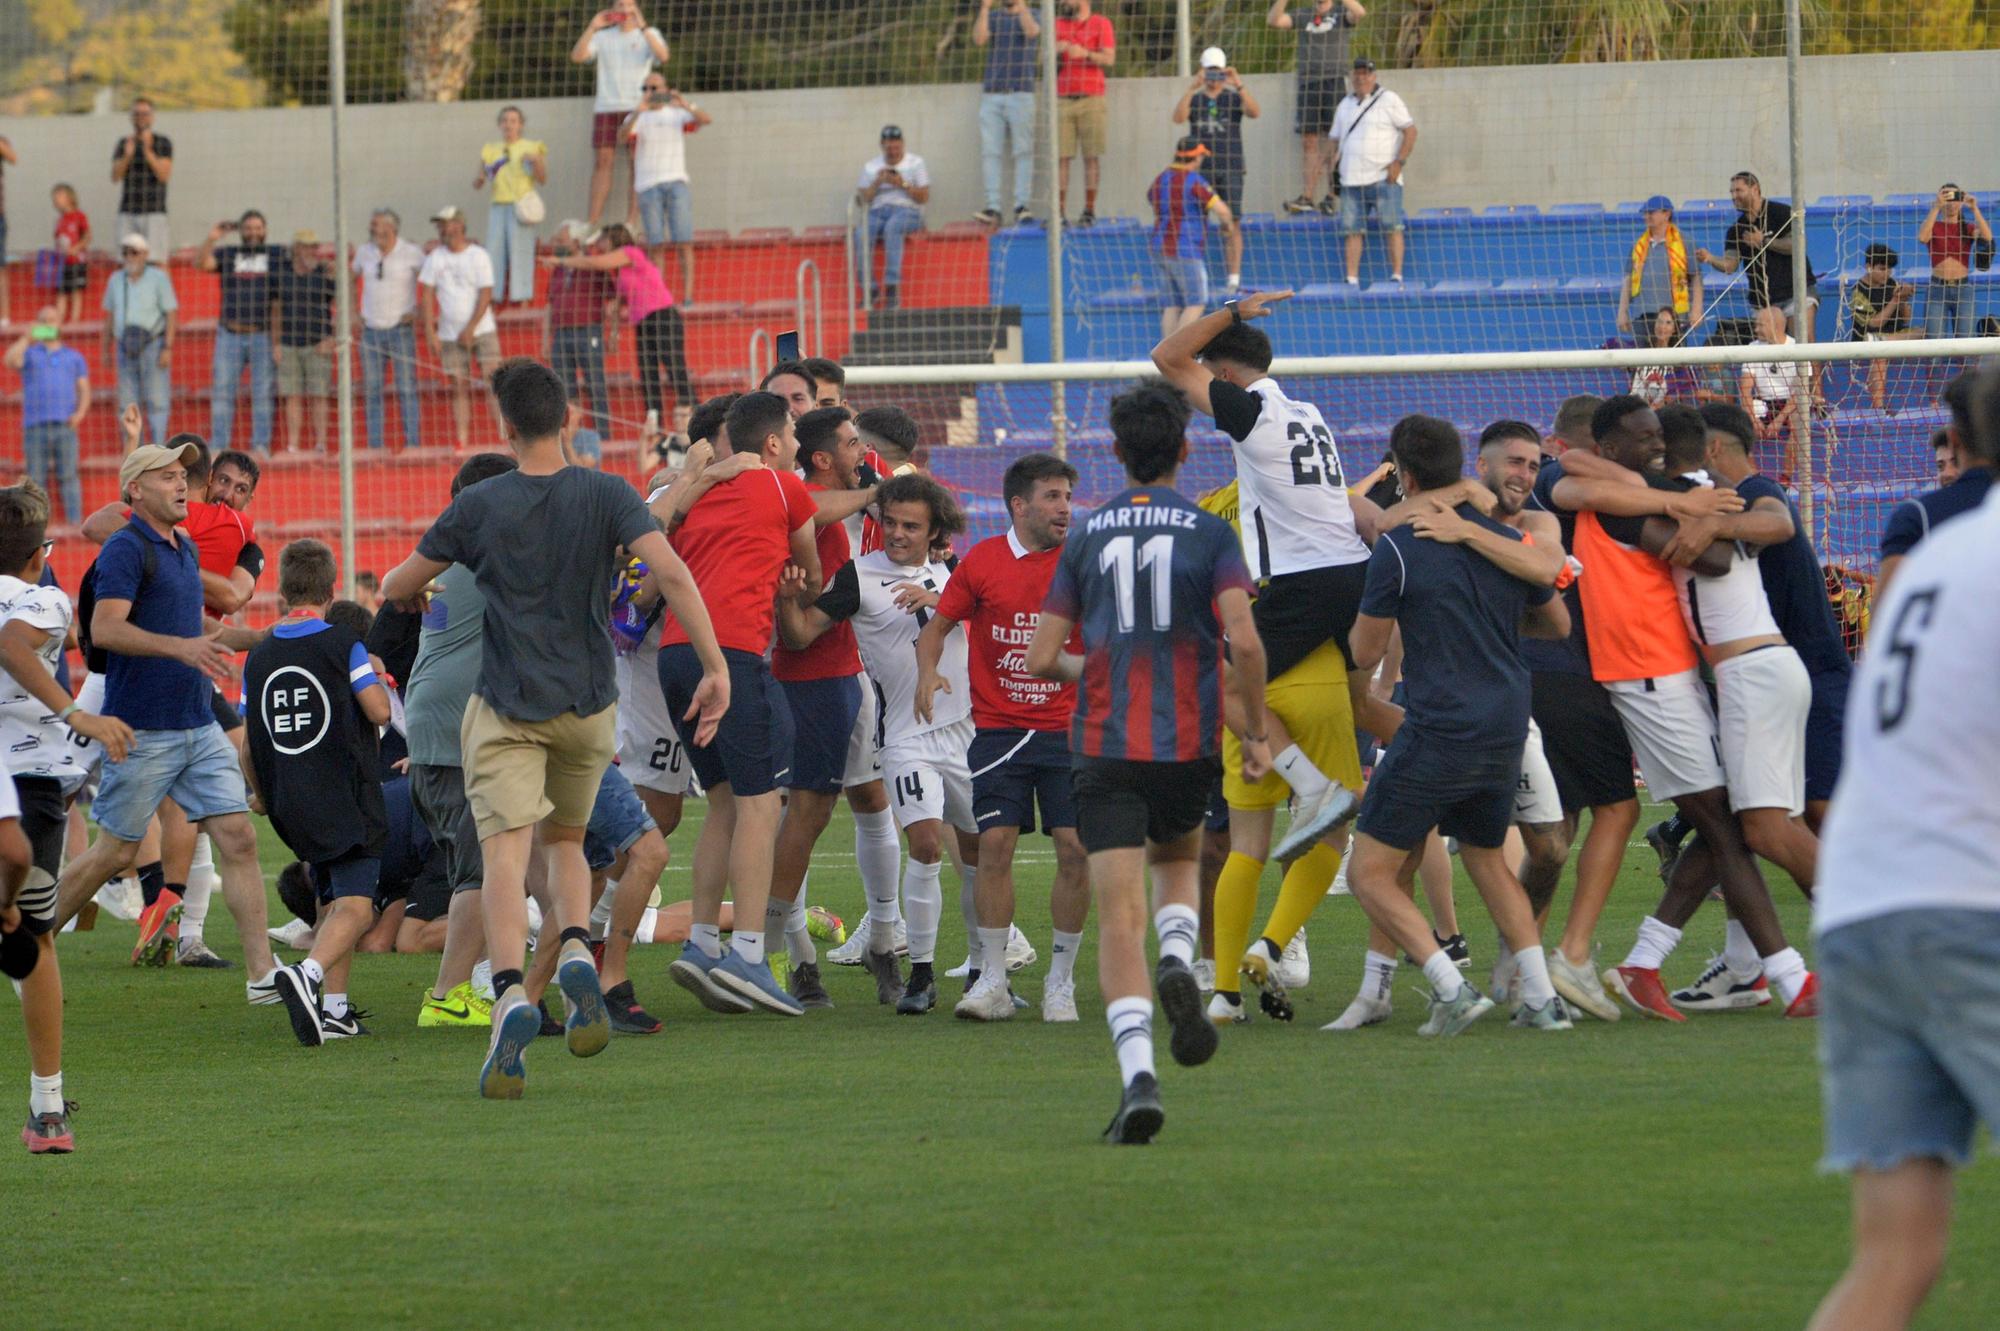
(657, 132)
(1007, 101)
(894, 187)
(624, 49)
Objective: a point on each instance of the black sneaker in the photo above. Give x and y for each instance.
(1660, 837)
(627, 1017)
(1139, 1116)
(346, 1026)
(1087, 218)
(888, 976)
(301, 998)
(1195, 1036)
(550, 1026)
(1021, 214)
(990, 216)
(920, 994)
(1455, 948)
(807, 988)
(1330, 206)
(1302, 204)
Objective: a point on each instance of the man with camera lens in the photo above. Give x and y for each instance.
(1214, 108)
(1007, 100)
(1086, 46)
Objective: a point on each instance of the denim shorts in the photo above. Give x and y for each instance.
(1909, 1036)
(1183, 282)
(196, 769)
(1384, 198)
(617, 821)
(667, 211)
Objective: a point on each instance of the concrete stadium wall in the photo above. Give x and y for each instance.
(1566, 133)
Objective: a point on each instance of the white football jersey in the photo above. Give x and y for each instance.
(37, 744)
(1292, 493)
(864, 593)
(1729, 608)
(1916, 817)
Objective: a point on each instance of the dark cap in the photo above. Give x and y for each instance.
(1879, 253)
(892, 131)
(1190, 147)
(1363, 62)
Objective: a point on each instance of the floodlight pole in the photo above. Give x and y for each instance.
(336, 32)
(1052, 162)
(1801, 293)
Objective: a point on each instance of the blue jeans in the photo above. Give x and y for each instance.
(1948, 308)
(889, 225)
(397, 347)
(144, 379)
(578, 356)
(1384, 198)
(233, 351)
(511, 244)
(52, 448)
(196, 768)
(667, 213)
(1007, 117)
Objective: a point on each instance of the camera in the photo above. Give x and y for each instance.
(1955, 195)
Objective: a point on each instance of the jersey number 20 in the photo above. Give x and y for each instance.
(1314, 458)
(1156, 553)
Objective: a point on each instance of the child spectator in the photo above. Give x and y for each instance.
(1880, 306)
(73, 243)
(311, 761)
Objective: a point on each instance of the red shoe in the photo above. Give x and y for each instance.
(159, 931)
(49, 1134)
(1640, 987)
(1807, 1003)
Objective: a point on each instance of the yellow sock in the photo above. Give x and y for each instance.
(1303, 889)
(1235, 907)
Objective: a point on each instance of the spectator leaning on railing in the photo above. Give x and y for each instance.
(1007, 101)
(1957, 234)
(624, 49)
(580, 327)
(1322, 76)
(141, 315)
(388, 266)
(1760, 243)
(1660, 275)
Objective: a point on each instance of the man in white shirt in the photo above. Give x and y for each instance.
(1907, 913)
(1772, 391)
(894, 187)
(457, 315)
(624, 50)
(1373, 135)
(388, 266)
(658, 133)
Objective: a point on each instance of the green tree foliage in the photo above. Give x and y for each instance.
(56, 54)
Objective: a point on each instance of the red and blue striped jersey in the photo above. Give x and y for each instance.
(1180, 213)
(1140, 577)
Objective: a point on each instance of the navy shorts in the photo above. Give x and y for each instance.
(617, 820)
(823, 712)
(1422, 782)
(1013, 770)
(752, 749)
(1217, 819)
(1823, 732)
(1127, 804)
(355, 874)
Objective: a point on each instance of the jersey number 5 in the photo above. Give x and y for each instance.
(1156, 554)
(1314, 458)
(1892, 692)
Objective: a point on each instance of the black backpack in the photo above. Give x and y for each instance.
(95, 658)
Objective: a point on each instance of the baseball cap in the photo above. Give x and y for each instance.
(1659, 203)
(449, 213)
(135, 241)
(1363, 62)
(1213, 58)
(1190, 147)
(575, 227)
(305, 236)
(152, 457)
(892, 131)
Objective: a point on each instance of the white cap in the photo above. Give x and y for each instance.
(1213, 58)
(448, 213)
(135, 241)
(582, 231)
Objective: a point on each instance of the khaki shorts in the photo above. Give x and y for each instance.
(304, 372)
(456, 359)
(519, 772)
(1082, 123)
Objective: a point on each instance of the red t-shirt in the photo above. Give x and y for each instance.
(834, 654)
(219, 533)
(735, 541)
(577, 297)
(996, 592)
(72, 228)
(1076, 77)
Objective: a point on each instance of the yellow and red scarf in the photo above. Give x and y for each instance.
(1677, 265)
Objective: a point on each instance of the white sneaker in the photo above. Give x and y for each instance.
(961, 970)
(1338, 887)
(121, 899)
(988, 1000)
(1204, 974)
(296, 936)
(264, 992)
(856, 946)
(1314, 819)
(1363, 1011)
(1059, 1001)
(1501, 987)
(482, 980)
(1579, 986)
(1295, 969)
(1021, 953)
(534, 922)
(1225, 1013)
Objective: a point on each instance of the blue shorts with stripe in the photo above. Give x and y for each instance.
(823, 712)
(751, 752)
(1013, 770)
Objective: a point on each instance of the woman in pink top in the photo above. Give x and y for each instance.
(656, 321)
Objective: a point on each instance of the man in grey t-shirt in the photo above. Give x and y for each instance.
(1322, 74)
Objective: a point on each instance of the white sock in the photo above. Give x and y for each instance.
(993, 945)
(1531, 972)
(748, 944)
(647, 924)
(923, 907)
(194, 906)
(1378, 975)
(1062, 958)
(776, 912)
(879, 856)
(975, 937)
(482, 978)
(1739, 952)
(1300, 774)
(1654, 942)
(1236, 279)
(798, 940)
(707, 937)
(1131, 1022)
(312, 971)
(45, 1094)
(1443, 975)
(600, 914)
(1178, 928)
(1354, 281)
(333, 1005)
(1785, 972)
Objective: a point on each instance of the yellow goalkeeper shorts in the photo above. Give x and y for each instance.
(1311, 699)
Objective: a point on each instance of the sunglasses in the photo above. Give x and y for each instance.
(48, 547)
(131, 251)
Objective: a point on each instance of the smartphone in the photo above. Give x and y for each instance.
(787, 344)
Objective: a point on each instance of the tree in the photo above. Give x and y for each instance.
(437, 48)
(175, 51)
